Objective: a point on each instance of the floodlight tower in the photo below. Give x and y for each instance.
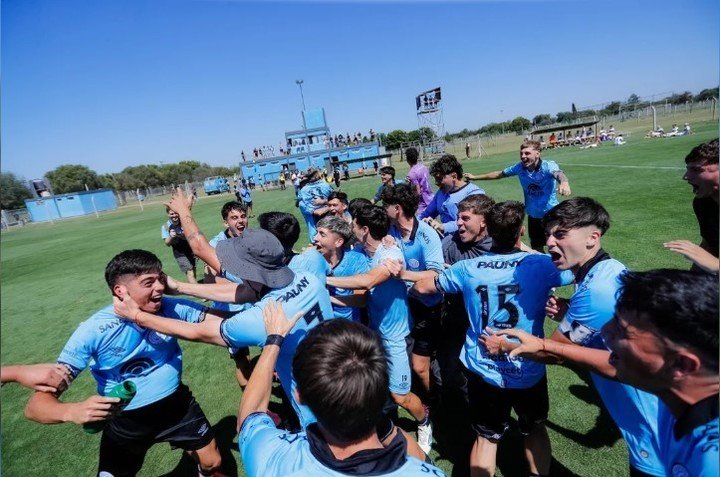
(429, 108)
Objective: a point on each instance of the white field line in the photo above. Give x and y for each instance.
(623, 166)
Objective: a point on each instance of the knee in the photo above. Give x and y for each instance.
(400, 400)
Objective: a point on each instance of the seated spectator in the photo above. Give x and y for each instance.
(619, 141)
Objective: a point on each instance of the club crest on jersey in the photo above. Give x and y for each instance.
(156, 338)
(679, 471)
(414, 263)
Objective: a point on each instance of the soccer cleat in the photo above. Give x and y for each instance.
(425, 436)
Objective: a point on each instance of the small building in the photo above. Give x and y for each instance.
(74, 204)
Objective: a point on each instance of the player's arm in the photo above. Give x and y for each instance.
(46, 377)
(488, 176)
(363, 281)
(256, 396)
(207, 330)
(356, 300)
(412, 276)
(225, 291)
(199, 244)
(697, 254)
(425, 286)
(46, 408)
(564, 186)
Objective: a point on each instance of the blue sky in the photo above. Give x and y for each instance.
(113, 83)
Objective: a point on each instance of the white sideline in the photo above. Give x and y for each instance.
(623, 166)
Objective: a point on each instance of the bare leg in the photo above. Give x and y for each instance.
(483, 458)
(421, 367)
(208, 458)
(537, 450)
(411, 403)
(191, 276)
(243, 369)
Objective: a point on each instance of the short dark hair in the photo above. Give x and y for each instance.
(404, 196)
(131, 262)
(504, 223)
(282, 225)
(705, 153)
(576, 213)
(375, 219)
(357, 203)
(681, 305)
(531, 143)
(478, 204)
(341, 372)
(341, 196)
(388, 170)
(232, 205)
(411, 155)
(446, 164)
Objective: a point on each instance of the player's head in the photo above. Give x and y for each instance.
(370, 221)
(472, 213)
(573, 229)
(665, 329)
(387, 174)
(284, 226)
(333, 233)
(702, 169)
(530, 153)
(505, 224)
(411, 155)
(172, 215)
(257, 256)
(342, 376)
(400, 199)
(356, 204)
(338, 203)
(446, 171)
(137, 273)
(234, 215)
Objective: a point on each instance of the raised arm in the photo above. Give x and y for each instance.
(488, 176)
(364, 281)
(199, 244)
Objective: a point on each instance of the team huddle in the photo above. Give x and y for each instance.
(406, 301)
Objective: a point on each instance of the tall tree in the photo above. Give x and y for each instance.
(72, 178)
(12, 191)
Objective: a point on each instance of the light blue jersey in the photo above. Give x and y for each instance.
(306, 197)
(538, 186)
(422, 251)
(311, 261)
(268, 451)
(446, 206)
(503, 291)
(689, 446)
(304, 294)
(218, 238)
(634, 411)
(245, 195)
(118, 349)
(218, 305)
(352, 263)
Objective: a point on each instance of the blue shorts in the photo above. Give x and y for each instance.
(399, 364)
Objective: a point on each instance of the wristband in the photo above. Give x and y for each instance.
(274, 340)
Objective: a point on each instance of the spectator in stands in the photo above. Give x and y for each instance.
(387, 179)
(419, 178)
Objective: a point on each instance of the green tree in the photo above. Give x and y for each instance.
(520, 124)
(633, 99)
(72, 178)
(681, 98)
(706, 94)
(395, 138)
(542, 120)
(12, 191)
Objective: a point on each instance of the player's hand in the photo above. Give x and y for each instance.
(180, 203)
(276, 321)
(530, 345)
(394, 266)
(126, 308)
(468, 176)
(492, 342)
(172, 287)
(45, 377)
(173, 234)
(695, 253)
(564, 189)
(95, 408)
(438, 226)
(556, 307)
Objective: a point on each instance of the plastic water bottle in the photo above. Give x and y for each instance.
(126, 392)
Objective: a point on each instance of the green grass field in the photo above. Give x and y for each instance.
(52, 278)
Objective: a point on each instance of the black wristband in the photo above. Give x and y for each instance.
(274, 340)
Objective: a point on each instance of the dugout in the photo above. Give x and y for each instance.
(565, 129)
(74, 204)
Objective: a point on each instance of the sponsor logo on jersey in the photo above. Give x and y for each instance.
(303, 284)
(500, 265)
(109, 326)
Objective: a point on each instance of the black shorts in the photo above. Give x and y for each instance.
(490, 406)
(185, 263)
(176, 419)
(536, 232)
(237, 353)
(426, 328)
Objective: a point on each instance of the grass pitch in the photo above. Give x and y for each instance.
(52, 278)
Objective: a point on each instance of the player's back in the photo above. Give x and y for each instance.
(387, 305)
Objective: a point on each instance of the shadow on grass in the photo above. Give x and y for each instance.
(224, 436)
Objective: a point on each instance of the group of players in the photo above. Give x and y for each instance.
(390, 308)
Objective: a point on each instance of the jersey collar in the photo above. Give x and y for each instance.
(365, 462)
(582, 272)
(698, 414)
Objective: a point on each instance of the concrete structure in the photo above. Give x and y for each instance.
(70, 205)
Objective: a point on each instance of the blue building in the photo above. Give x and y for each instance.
(312, 147)
(70, 205)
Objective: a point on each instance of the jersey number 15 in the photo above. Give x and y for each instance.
(503, 293)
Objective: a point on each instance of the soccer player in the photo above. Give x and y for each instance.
(173, 235)
(419, 178)
(448, 175)
(256, 258)
(164, 409)
(331, 240)
(387, 309)
(505, 288)
(235, 220)
(338, 206)
(387, 180)
(246, 197)
(422, 251)
(702, 174)
(46, 377)
(537, 178)
(664, 339)
(341, 369)
(312, 197)
(574, 231)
